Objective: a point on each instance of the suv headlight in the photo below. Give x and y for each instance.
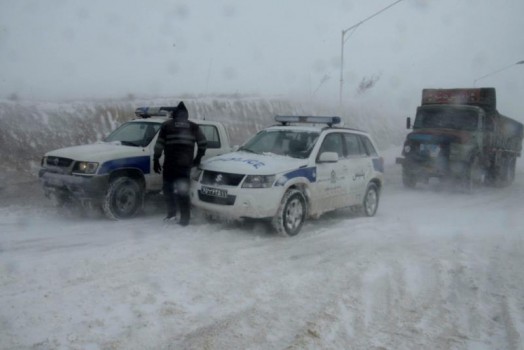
(85, 167)
(258, 181)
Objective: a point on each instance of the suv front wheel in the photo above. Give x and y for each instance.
(291, 214)
(123, 199)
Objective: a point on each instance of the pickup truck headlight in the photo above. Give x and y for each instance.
(258, 181)
(85, 167)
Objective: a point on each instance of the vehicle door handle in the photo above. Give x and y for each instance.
(357, 175)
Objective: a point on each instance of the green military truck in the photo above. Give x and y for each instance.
(458, 134)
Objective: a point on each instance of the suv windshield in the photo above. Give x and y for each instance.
(449, 118)
(293, 143)
(134, 134)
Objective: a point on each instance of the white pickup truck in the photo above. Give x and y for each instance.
(115, 174)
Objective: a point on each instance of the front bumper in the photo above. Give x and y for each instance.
(432, 167)
(82, 187)
(255, 203)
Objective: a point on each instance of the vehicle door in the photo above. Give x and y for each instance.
(358, 165)
(153, 180)
(214, 143)
(332, 176)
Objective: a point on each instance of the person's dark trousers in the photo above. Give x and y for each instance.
(168, 188)
(176, 190)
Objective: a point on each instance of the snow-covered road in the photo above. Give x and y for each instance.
(435, 269)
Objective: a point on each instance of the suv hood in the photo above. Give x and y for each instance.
(252, 164)
(98, 152)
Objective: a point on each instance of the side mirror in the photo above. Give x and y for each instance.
(408, 123)
(328, 157)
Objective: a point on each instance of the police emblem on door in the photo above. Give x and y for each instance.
(333, 177)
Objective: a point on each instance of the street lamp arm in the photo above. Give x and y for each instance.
(497, 71)
(370, 17)
(342, 41)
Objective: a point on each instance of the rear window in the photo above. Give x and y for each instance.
(211, 134)
(368, 145)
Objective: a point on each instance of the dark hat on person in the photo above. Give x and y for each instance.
(181, 106)
(180, 111)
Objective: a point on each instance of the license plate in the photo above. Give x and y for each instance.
(215, 192)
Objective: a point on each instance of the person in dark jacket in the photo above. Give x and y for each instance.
(177, 139)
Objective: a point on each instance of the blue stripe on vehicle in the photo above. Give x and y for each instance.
(143, 163)
(308, 173)
(378, 164)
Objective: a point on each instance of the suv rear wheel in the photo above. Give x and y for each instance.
(371, 199)
(123, 199)
(291, 214)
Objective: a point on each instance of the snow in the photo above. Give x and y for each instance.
(436, 268)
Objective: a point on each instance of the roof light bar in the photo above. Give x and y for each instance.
(148, 112)
(285, 119)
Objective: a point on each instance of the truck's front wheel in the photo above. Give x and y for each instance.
(476, 174)
(408, 180)
(123, 199)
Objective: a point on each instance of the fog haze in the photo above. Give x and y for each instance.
(58, 49)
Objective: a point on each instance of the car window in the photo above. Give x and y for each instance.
(332, 143)
(296, 144)
(134, 134)
(211, 134)
(370, 149)
(354, 147)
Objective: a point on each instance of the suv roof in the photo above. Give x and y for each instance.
(317, 123)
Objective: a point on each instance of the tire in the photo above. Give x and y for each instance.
(511, 170)
(371, 200)
(408, 180)
(123, 199)
(475, 176)
(291, 214)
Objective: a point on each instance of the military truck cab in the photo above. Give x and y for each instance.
(458, 134)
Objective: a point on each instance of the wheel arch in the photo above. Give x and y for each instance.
(304, 188)
(133, 173)
(377, 182)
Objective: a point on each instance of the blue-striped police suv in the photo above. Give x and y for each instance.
(298, 169)
(115, 174)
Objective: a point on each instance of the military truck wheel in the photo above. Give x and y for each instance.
(511, 170)
(505, 173)
(291, 214)
(124, 198)
(408, 180)
(475, 175)
(371, 199)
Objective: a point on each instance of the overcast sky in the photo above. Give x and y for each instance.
(60, 49)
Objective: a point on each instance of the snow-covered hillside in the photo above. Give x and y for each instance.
(29, 129)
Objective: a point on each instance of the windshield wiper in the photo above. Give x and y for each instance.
(129, 143)
(247, 150)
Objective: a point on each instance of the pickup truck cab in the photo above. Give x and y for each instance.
(286, 173)
(115, 174)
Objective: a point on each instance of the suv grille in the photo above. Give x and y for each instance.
(219, 178)
(59, 162)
